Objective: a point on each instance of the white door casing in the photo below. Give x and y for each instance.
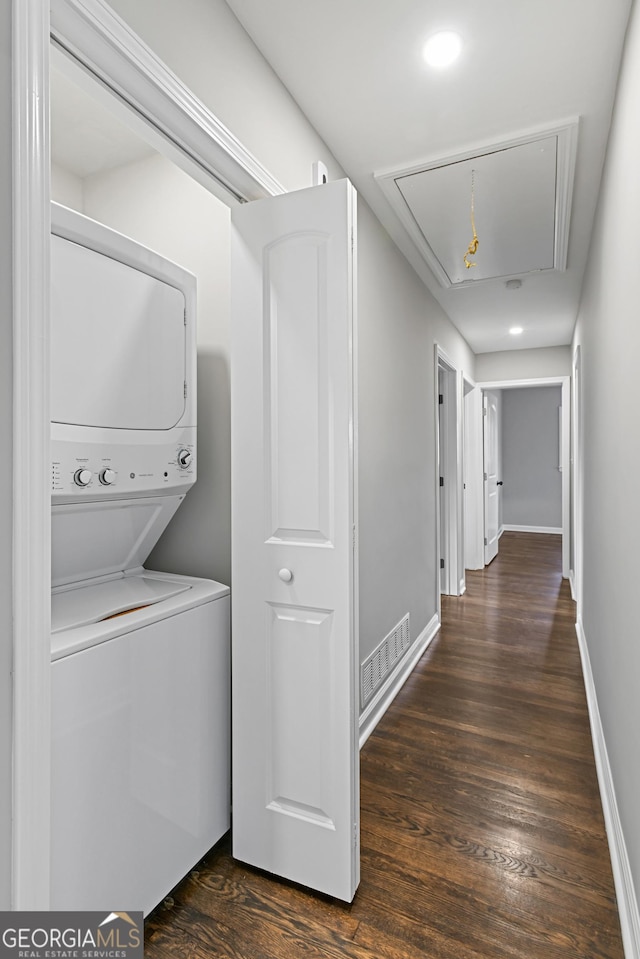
(491, 488)
(577, 447)
(443, 488)
(449, 480)
(294, 557)
(29, 760)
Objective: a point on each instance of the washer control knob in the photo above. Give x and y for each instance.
(82, 477)
(184, 459)
(107, 476)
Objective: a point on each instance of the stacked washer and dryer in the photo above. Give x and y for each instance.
(140, 659)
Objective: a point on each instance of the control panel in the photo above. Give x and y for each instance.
(99, 470)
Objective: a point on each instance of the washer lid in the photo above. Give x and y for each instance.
(83, 605)
(96, 539)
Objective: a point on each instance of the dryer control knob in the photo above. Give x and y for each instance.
(82, 477)
(107, 477)
(184, 459)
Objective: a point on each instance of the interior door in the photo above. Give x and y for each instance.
(294, 587)
(491, 487)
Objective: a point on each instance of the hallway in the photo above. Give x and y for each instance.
(482, 831)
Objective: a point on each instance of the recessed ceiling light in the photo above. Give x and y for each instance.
(442, 49)
(516, 330)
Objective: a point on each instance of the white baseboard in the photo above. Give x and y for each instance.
(572, 585)
(625, 893)
(395, 681)
(532, 529)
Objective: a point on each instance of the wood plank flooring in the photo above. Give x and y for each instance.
(482, 830)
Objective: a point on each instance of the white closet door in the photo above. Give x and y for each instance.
(294, 581)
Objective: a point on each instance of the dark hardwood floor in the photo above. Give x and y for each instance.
(482, 830)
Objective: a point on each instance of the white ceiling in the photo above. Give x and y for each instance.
(355, 68)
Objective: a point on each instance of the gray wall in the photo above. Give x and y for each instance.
(6, 430)
(523, 364)
(609, 334)
(532, 491)
(398, 322)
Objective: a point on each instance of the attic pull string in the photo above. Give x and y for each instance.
(473, 246)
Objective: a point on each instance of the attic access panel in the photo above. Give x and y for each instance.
(522, 199)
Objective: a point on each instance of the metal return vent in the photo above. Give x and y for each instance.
(381, 661)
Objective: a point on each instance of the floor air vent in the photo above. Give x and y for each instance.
(379, 664)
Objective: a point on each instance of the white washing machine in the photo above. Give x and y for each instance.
(140, 659)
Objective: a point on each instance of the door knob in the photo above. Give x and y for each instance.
(499, 483)
(285, 575)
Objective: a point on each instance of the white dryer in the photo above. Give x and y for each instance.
(140, 659)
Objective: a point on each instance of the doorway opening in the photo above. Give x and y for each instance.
(526, 460)
(197, 142)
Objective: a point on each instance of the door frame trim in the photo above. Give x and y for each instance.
(565, 383)
(577, 465)
(31, 461)
(211, 154)
(453, 496)
(107, 47)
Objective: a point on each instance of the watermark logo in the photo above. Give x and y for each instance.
(71, 935)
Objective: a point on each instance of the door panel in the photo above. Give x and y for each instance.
(294, 596)
(297, 390)
(300, 643)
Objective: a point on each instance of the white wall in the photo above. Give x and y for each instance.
(209, 50)
(609, 335)
(523, 364)
(473, 465)
(66, 188)
(159, 205)
(532, 491)
(6, 477)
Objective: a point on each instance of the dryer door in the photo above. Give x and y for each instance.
(118, 343)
